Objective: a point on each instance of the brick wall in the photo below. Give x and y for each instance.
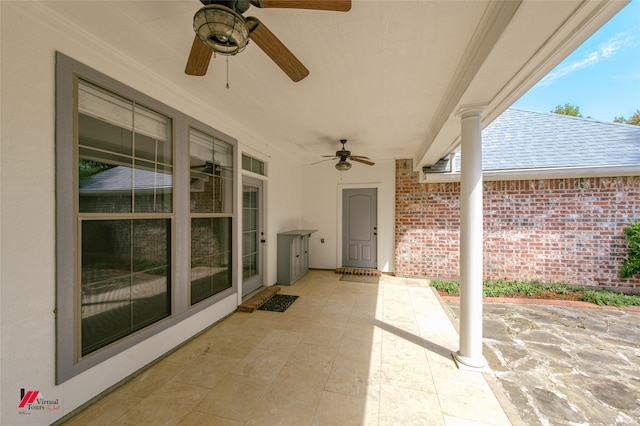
(552, 230)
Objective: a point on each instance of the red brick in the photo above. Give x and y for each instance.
(569, 230)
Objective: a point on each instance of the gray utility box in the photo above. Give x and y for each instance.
(293, 255)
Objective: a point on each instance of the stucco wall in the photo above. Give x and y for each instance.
(27, 208)
(322, 209)
(552, 230)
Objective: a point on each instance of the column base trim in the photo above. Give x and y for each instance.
(470, 364)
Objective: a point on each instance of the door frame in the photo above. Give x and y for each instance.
(254, 180)
(379, 242)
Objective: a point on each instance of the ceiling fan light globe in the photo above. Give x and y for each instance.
(343, 166)
(223, 30)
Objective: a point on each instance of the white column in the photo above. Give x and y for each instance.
(470, 353)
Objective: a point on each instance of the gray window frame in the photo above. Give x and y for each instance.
(68, 361)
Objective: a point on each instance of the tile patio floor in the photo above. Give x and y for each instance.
(344, 353)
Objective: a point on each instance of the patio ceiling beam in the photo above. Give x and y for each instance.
(492, 25)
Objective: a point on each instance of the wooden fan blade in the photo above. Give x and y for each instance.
(322, 161)
(335, 5)
(276, 50)
(360, 156)
(199, 58)
(360, 160)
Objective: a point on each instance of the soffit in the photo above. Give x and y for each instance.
(381, 76)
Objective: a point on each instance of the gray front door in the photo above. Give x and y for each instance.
(359, 228)
(252, 235)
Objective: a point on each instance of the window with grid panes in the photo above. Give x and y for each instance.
(124, 214)
(211, 196)
(144, 217)
(252, 164)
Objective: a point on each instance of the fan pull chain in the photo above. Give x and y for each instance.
(227, 72)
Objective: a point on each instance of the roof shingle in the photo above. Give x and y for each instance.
(520, 139)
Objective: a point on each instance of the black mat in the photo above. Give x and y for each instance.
(278, 303)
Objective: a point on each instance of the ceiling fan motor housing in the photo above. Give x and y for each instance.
(240, 6)
(343, 153)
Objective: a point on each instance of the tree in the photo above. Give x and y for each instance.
(88, 168)
(631, 265)
(567, 109)
(633, 120)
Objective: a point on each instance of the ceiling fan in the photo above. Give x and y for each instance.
(221, 28)
(210, 168)
(344, 155)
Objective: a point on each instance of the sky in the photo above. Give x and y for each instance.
(602, 76)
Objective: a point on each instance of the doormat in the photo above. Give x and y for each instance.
(360, 278)
(278, 303)
(358, 271)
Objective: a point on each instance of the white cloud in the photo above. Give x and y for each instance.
(605, 51)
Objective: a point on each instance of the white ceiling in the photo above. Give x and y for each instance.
(389, 76)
